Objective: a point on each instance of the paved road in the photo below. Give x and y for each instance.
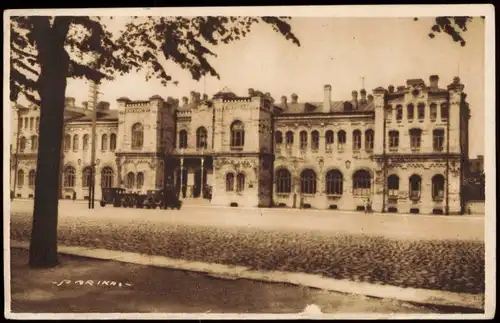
(388, 225)
(158, 290)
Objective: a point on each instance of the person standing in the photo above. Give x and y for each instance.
(74, 196)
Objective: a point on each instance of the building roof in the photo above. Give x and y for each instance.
(317, 107)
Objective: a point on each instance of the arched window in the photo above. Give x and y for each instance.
(240, 182)
(230, 182)
(393, 185)
(415, 187)
(289, 138)
(334, 181)
(183, 139)
(237, 134)
(20, 178)
(75, 142)
(201, 137)
(104, 142)
(329, 137)
(22, 144)
(438, 139)
(421, 111)
(87, 177)
(278, 137)
(112, 142)
(26, 123)
(69, 176)
(438, 187)
(341, 139)
(388, 112)
(34, 143)
(32, 123)
(433, 111)
(393, 139)
(140, 180)
(31, 178)
(283, 181)
(308, 182)
(356, 140)
(67, 142)
(410, 111)
(369, 137)
(444, 111)
(107, 177)
(137, 136)
(399, 112)
(303, 140)
(315, 140)
(130, 180)
(415, 138)
(85, 142)
(361, 183)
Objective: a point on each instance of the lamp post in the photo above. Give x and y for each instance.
(94, 91)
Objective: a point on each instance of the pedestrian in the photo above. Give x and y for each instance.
(74, 196)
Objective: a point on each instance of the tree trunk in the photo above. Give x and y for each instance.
(52, 87)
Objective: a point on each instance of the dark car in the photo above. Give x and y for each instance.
(112, 195)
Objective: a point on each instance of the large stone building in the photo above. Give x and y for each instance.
(402, 149)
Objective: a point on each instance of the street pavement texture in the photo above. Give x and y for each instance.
(146, 289)
(430, 252)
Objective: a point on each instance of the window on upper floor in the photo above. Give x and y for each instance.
(393, 185)
(34, 143)
(438, 139)
(32, 123)
(433, 111)
(75, 142)
(87, 177)
(308, 182)
(399, 112)
(183, 139)
(22, 144)
(388, 112)
(369, 138)
(20, 178)
(85, 142)
(289, 138)
(237, 134)
(444, 112)
(283, 181)
(303, 140)
(26, 120)
(229, 182)
(278, 138)
(334, 182)
(421, 111)
(137, 136)
(356, 140)
(201, 138)
(438, 187)
(104, 142)
(329, 138)
(67, 142)
(393, 139)
(112, 142)
(69, 176)
(315, 140)
(410, 111)
(37, 124)
(31, 178)
(361, 183)
(415, 187)
(341, 139)
(415, 138)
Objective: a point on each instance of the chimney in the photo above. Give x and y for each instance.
(370, 98)
(283, 101)
(327, 98)
(391, 88)
(69, 102)
(184, 100)
(355, 99)
(363, 95)
(433, 81)
(295, 98)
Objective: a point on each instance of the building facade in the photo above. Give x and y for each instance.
(402, 149)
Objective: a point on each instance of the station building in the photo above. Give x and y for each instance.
(399, 149)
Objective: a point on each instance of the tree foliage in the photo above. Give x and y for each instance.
(454, 26)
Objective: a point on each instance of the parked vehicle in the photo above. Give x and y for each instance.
(112, 195)
(165, 198)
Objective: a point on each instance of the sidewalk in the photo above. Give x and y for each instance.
(472, 302)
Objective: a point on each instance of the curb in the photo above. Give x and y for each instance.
(420, 296)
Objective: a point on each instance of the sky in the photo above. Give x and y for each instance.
(334, 50)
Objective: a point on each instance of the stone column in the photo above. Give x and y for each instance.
(181, 179)
(201, 177)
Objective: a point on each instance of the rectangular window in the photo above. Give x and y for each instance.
(421, 111)
(415, 138)
(410, 111)
(438, 139)
(399, 113)
(393, 139)
(433, 112)
(444, 112)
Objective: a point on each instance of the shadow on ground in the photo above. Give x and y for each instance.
(159, 290)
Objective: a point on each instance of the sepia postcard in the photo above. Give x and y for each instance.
(309, 162)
